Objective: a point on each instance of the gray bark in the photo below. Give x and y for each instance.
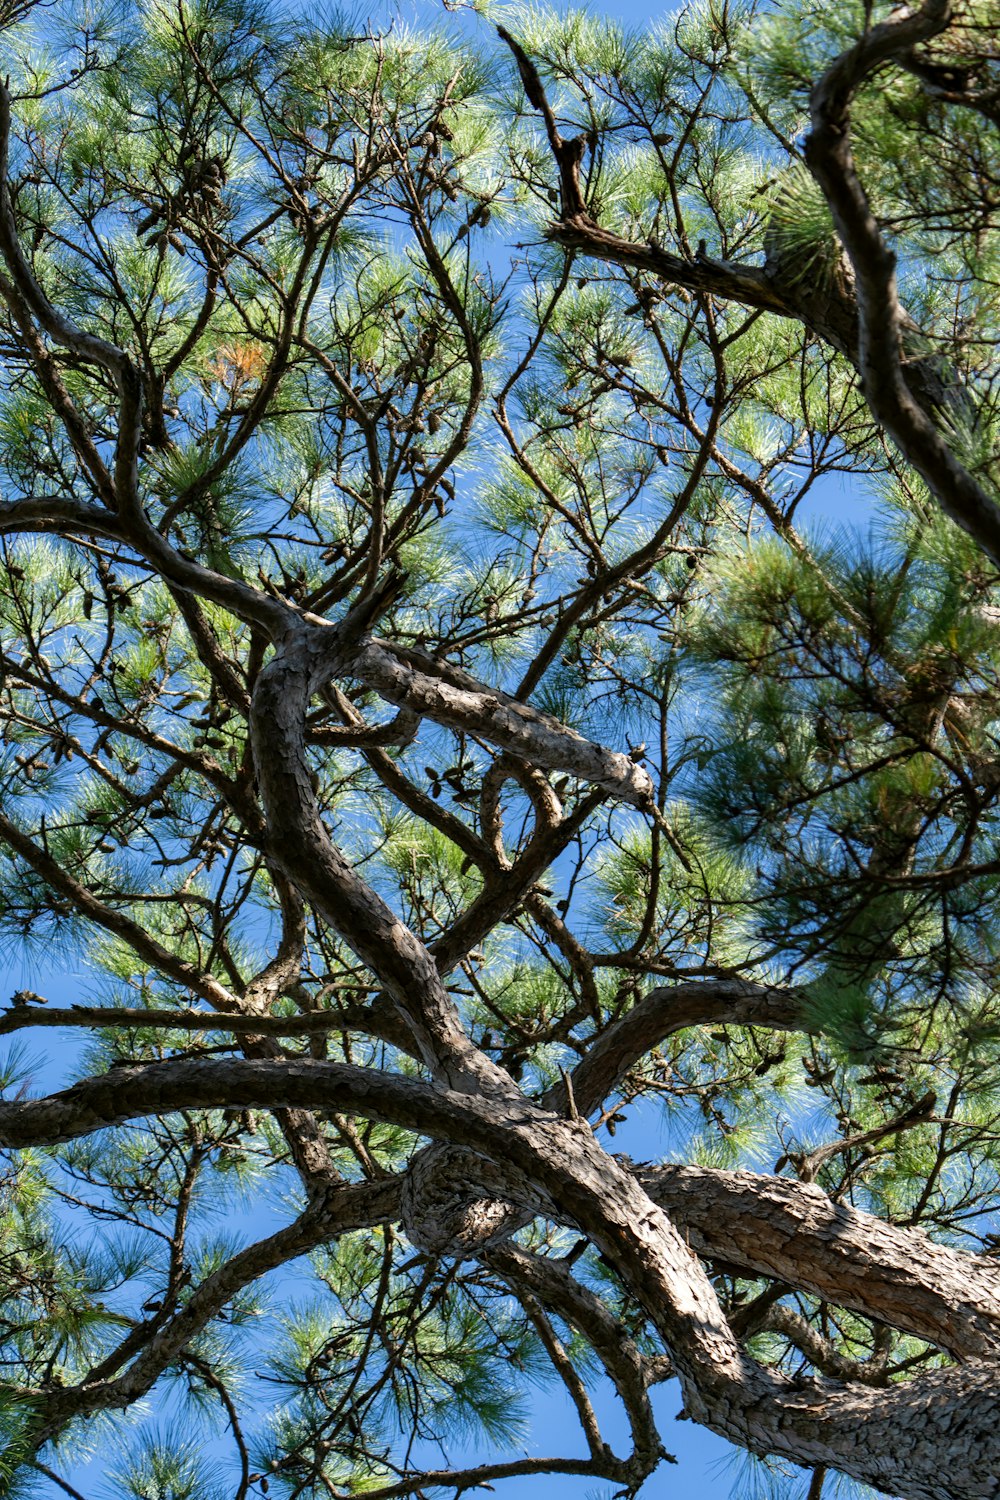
(932, 1438)
(792, 1231)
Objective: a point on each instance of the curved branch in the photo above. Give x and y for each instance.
(96, 1017)
(821, 1352)
(33, 310)
(671, 1008)
(880, 318)
(554, 1284)
(864, 322)
(777, 1227)
(892, 1438)
(300, 846)
(136, 1092)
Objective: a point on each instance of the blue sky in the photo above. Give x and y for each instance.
(708, 1467)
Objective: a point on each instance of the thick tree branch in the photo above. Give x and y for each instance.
(452, 698)
(821, 1352)
(672, 1008)
(337, 405)
(795, 1233)
(301, 847)
(561, 1162)
(130, 1092)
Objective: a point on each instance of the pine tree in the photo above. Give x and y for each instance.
(434, 736)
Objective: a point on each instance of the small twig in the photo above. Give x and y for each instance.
(572, 1113)
(57, 1480)
(918, 1114)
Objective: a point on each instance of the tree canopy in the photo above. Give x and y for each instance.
(434, 732)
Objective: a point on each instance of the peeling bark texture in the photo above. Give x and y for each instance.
(437, 1212)
(559, 1169)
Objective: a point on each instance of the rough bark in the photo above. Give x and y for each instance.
(496, 1157)
(895, 1439)
(894, 395)
(302, 848)
(456, 700)
(794, 1232)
